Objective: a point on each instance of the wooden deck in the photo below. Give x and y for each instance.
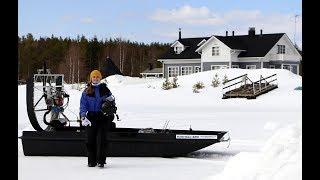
(250, 90)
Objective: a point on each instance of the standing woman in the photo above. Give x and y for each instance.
(96, 124)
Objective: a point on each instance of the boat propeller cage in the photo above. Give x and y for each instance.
(52, 100)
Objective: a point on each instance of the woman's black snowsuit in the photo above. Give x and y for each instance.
(100, 124)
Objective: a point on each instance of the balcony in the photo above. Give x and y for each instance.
(283, 57)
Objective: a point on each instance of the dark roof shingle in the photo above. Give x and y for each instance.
(254, 46)
(189, 51)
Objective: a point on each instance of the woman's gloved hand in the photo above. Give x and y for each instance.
(110, 98)
(85, 121)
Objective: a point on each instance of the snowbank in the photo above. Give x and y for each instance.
(118, 80)
(142, 104)
(284, 77)
(279, 159)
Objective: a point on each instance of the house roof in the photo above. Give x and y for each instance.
(298, 49)
(254, 46)
(154, 70)
(300, 52)
(188, 53)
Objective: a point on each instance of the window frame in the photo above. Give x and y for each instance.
(251, 65)
(281, 49)
(215, 52)
(290, 67)
(197, 67)
(178, 49)
(221, 67)
(190, 70)
(171, 67)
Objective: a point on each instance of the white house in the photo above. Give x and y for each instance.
(191, 55)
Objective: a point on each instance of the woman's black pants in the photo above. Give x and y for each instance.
(96, 137)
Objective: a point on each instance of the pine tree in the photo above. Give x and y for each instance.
(215, 81)
(225, 79)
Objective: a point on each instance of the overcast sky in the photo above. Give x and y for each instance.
(157, 21)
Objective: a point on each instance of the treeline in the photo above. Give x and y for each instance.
(75, 58)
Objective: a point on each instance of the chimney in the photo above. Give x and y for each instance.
(226, 33)
(252, 31)
(179, 33)
(261, 32)
(150, 66)
(232, 33)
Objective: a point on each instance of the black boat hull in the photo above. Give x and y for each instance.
(122, 142)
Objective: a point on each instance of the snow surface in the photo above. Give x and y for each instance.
(264, 143)
(280, 158)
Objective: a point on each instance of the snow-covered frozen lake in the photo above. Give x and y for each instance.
(142, 103)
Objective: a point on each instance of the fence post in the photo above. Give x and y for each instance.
(245, 80)
(253, 87)
(265, 83)
(260, 83)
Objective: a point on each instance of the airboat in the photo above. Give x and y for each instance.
(55, 134)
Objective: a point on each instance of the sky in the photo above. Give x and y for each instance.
(158, 21)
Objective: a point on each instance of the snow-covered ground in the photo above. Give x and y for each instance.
(265, 132)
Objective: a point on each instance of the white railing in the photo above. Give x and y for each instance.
(272, 80)
(282, 57)
(256, 87)
(236, 83)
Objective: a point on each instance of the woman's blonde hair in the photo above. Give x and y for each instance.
(90, 89)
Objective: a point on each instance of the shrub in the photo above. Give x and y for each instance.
(215, 81)
(174, 83)
(197, 86)
(225, 79)
(166, 85)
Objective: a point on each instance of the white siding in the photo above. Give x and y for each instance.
(234, 56)
(179, 45)
(250, 59)
(224, 52)
(290, 53)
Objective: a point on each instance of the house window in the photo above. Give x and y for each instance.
(185, 70)
(213, 67)
(281, 49)
(178, 50)
(294, 67)
(272, 66)
(197, 69)
(235, 66)
(251, 66)
(286, 66)
(215, 51)
(173, 71)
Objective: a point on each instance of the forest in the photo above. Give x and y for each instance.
(75, 58)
